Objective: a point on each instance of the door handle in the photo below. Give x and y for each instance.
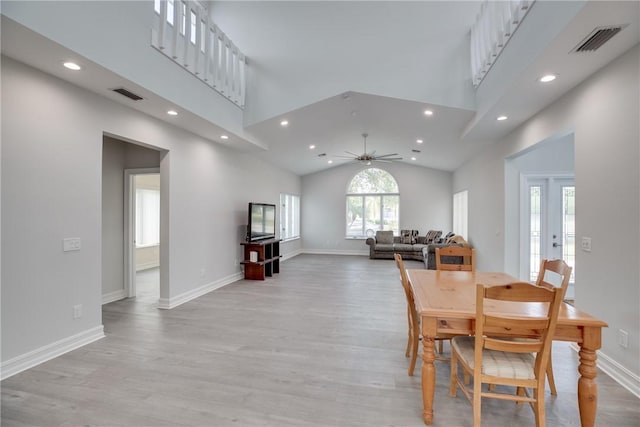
(555, 245)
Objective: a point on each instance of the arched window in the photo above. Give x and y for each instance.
(373, 203)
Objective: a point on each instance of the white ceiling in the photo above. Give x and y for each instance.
(337, 69)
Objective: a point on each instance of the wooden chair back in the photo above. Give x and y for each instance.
(493, 320)
(412, 316)
(558, 267)
(467, 255)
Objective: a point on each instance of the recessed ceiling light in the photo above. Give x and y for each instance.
(547, 78)
(224, 136)
(284, 123)
(419, 141)
(428, 113)
(72, 66)
(311, 147)
(413, 158)
(172, 113)
(330, 161)
(501, 118)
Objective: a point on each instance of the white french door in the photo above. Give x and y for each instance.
(548, 224)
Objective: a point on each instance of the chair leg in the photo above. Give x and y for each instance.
(552, 382)
(415, 341)
(477, 400)
(453, 379)
(539, 407)
(410, 333)
(440, 346)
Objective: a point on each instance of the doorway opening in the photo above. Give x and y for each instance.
(142, 229)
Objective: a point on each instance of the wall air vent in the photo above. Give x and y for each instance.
(124, 92)
(597, 38)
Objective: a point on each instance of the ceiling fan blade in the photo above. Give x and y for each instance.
(343, 157)
(382, 161)
(386, 155)
(387, 159)
(353, 154)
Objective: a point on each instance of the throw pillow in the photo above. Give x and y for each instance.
(409, 237)
(447, 238)
(384, 237)
(432, 236)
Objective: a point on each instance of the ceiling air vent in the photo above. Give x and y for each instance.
(597, 38)
(124, 92)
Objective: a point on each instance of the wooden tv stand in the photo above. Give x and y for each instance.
(268, 262)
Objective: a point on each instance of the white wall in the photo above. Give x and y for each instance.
(603, 114)
(51, 189)
(425, 203)
(117, 35)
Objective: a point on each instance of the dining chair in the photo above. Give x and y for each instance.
(466, 258)
(413, 320)
(491, 357)
(563, 273)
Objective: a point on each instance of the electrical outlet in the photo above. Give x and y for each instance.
(623, 338)
(77, 311)
(586, 244)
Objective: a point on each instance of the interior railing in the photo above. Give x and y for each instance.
(183, 31)
(494, 26)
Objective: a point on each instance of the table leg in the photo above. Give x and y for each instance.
(587, 387)
(428, 378)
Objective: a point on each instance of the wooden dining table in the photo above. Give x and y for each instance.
(445, 301)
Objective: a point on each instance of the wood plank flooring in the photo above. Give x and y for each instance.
(320, 344)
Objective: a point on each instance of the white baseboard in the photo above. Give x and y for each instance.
(49, 351)
(113, 296)
(616, 371)
(169, 303)
(290, 255)
(334, 252)
(147, 265)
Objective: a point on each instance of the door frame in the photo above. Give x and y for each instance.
(546, 180)
(130, 225)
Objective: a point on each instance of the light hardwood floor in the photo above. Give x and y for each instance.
(320, 344)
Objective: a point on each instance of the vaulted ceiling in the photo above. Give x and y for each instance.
(335, 70)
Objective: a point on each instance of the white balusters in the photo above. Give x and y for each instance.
(495, 24)
(182, 31)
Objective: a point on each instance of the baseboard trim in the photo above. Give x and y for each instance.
(147, 266)
(334, 252)
(49, 351)
(169, 303)
(616, 371)
(113, 296)
(290, 255)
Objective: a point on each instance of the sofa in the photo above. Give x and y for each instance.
(408, 244)
(412, 246)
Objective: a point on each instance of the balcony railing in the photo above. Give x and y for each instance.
(183, 32)
(494, 26)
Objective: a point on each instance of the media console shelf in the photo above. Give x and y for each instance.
(268, 261)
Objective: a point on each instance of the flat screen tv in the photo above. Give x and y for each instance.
(262, 222)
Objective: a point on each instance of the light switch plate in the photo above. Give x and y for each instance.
(71, 244)
(586, 244)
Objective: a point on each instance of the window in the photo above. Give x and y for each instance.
(156, 6)
(289, 216)
(460, 213)
(373, 203)
(147, 217)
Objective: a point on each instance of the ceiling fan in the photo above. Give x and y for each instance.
(367, 158)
